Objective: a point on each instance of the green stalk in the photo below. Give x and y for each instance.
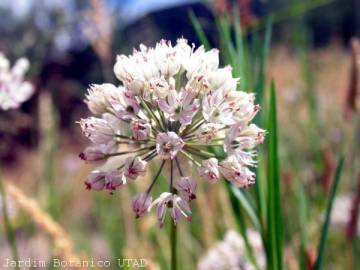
(325, 229)
(151, 113)
(190, 158)
(294, 10)
(173, 240)
(239, 203)
(274, 247)
(198, 152)
(199, 30)
(9, 230)
(131, 151)
(173, 235)
(156, 177)
(303, 220)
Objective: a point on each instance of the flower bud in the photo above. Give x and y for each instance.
(114, 179)
(93, 153)
(209, 170)
(98, 97)
(207, 132)
(95, 180)
(187, 188)
(141, 203)
(134, 167)
(237, 174)
(180, 208)
(219, 77)
(168, 144)
(140, 129)
(99, 130)
(136, 86)
(177, 206)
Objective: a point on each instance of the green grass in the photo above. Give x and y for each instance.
(274, 243)
(325, 229)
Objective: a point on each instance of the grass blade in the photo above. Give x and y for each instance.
(274, 217)
(303, 219)
(226, 44)
(245, 203)
(294, 10)
(238, 199)
(199, 30)
(259, 185)
(240, 44)
(264, 55)
(325, 229)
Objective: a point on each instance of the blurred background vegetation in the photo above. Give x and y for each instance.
(309, 49)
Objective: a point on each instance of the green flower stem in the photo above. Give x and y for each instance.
(156, 177)
(173, 240)
(151, 114)
(162, 117)
(191, 158)
(131, 151)
(199, 153)
(218, 140)
(189, 130)
(132, 140)
(204, 145)
(179, 167)
(149, 155)
(173, 236)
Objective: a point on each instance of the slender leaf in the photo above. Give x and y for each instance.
(292, 11)
(246, 204)
(263, 60)
(274, 217)
(226, 46)
(238, 199)
(303, 212)
(260, 186)
(325, 229)
(199, 30)
(240, 51)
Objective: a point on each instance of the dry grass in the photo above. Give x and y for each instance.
(62, 243)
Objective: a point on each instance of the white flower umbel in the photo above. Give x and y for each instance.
(174, 101)
(230, 253)
(13, 89)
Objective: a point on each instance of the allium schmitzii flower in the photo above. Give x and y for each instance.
(114, 179)
(95, 152)
(96, 180)
(141, 203)
(173, 102)
(187, 188)
(209, 170)
(176, 205)
(168, 144)
(134, 167)
(231, 253)
(13, 89)
(140, 129)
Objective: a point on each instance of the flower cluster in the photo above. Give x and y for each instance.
(174, 102)
(13, 89)
(230, 253)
